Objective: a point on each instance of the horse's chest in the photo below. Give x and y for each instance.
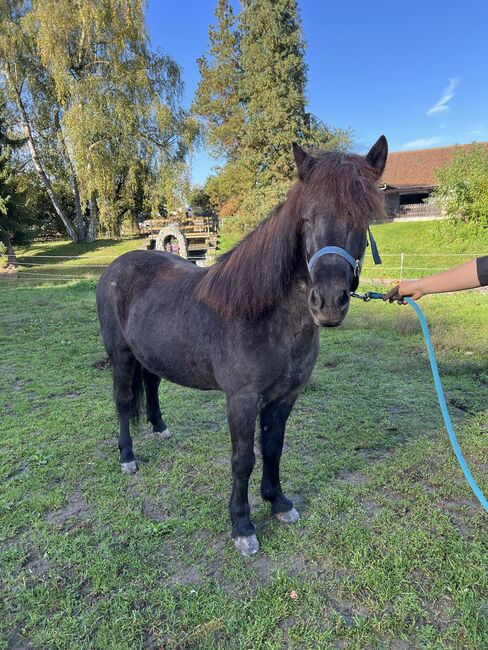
(295, 366)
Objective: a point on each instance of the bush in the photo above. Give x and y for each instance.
(463, 186)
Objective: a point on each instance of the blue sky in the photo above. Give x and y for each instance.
(416, 71)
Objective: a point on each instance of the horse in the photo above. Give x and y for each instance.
(249, 324)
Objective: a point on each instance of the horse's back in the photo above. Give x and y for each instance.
(143, 267)
(146, 304)
(133, 274)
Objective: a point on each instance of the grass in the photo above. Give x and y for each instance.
(427, 247)
(42, 262)
(391, 548)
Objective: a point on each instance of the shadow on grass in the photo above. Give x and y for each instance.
(74, 250)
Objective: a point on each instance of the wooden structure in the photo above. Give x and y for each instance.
(194, 237)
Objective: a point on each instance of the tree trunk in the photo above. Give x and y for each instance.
(11, 256)
(93, 219)
(39, 168)
(79, 221)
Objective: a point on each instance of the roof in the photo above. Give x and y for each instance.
(417, 167)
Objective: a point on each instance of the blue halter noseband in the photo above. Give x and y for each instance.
(355, 263)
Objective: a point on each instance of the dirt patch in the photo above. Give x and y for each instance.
(352, 478)
(76, 508)
(349, 611)
(15, 641)
(372, 453)
(458, 404)
(19, 471)
(182, 575)
(285, 625)
(37, 566)
(103, 364)
(370, 509)
(150, 642)
(155, 509)
(395, 409)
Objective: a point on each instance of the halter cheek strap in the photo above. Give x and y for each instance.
(337, 250)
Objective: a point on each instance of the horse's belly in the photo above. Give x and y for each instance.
(183, 362)
(184, 371)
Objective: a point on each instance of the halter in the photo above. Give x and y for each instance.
(356, 264)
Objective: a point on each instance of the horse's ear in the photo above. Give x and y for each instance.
(303, 161)
(377, 155)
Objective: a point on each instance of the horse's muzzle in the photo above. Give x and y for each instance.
(328, 308)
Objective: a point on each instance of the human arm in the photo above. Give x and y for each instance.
(466, 276)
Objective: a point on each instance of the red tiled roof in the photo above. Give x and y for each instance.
(416, 168)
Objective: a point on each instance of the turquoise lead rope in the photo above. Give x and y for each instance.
(372, 295)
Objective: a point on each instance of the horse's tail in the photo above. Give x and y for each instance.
(135, 406)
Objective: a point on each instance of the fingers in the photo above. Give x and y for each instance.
(392, 294)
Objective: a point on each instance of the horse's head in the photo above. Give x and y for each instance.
(338, 199)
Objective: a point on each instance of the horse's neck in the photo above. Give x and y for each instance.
(294, 306)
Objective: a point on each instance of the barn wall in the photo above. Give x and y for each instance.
(392, 202)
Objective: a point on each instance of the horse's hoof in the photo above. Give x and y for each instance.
(247, 545)
(288, 517)
(163, 434)
(128, 468)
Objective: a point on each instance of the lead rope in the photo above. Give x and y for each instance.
(372, 295)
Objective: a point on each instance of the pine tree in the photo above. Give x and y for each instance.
(217, 99)
(273, 87)
(251, 99)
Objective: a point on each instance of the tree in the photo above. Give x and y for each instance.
(251, 99)
(462, 191)
(273, 86)
(15, 219)
(217, 99)
(101, 111)
(199, 200)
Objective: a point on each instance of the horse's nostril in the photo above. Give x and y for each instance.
(343, 298)
(316, 300)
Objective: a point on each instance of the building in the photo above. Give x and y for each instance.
(409, 178)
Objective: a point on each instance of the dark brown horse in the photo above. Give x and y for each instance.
(249, 324)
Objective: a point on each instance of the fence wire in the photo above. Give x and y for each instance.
(31, 267)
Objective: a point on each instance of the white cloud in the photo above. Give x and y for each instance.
(422, 143)
(442, 105)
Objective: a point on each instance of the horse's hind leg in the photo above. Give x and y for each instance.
(127, 389)
(273, 423)
(151, 385)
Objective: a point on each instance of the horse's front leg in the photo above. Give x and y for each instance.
(273, 423)
(242, 411)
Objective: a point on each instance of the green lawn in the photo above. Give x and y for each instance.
(390, 552)
(44, 262)
(427, 247)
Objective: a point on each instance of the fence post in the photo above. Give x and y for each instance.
(401, 264)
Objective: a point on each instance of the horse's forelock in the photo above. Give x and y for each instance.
(350, 185)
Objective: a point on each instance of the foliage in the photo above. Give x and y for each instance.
(100, 108)
(217, 98)
(463, 186)
(16, 220)
(199, 200)
(251, 100)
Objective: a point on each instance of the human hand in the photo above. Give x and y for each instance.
(410, 288)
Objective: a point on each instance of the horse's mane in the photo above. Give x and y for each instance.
(256, 274)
